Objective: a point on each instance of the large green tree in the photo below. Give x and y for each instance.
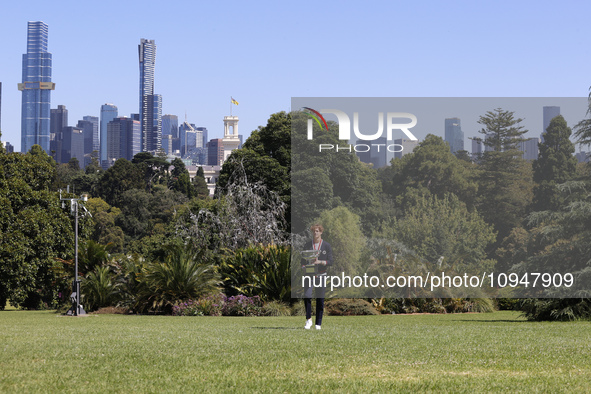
(555, 164)
(431, 169)
(34, 231)
(505, 182)
(122, 176)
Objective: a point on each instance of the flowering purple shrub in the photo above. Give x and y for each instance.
(241, 305)
(218, 305)
(208, 306)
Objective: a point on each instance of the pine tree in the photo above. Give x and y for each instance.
(555, 164)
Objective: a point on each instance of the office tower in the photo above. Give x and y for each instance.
(549, 113)
(477, 148)
(108, 113)
(72, 145)
(454, 135)
(187, 134)
(205, 135)
(150, 103)
(124, 139)
(8, 146)
(88, 130)
(167, 144)
(215, 152)
(96, 138)
(58, 121)
(36, 88)
(170, 125)
(405, 147)
(530, 149)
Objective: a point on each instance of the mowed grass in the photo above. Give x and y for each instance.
(44, 352)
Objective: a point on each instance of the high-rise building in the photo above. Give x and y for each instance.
(88, 129)
(96, 138)
(58, 121)
(150, 103)
(124, 139)
(108, 113)
(36, 88)
(215, 152)
(454, 135)
(73, 145)
(530, 149)
(406, 147)
(170, 125)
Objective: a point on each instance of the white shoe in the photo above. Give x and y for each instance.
(318, 327)
(308, 324)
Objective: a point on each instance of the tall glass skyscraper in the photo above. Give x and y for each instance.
(108, 113)
(454, 135)
(36, 88)
(150, 103)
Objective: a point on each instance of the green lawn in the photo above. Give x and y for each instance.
(44, 352)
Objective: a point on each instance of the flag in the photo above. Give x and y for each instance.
(234, 101)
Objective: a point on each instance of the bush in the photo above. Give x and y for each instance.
(241, 305)
(276, 308)
(561, 309)
(349, 307)
(208, 306)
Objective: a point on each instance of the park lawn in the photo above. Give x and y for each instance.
(45, 352)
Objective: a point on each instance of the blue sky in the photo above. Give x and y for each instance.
(263, 53)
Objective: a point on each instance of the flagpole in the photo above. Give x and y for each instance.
(230, 105)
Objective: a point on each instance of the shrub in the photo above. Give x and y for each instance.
(241, 305)
(263, 271)
(208, 306)
(349, 307)
(276, 308)
(565, 309)
(99, 289)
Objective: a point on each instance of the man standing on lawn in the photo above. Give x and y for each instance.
(323, 260)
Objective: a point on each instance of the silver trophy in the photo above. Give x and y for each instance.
(310, 256)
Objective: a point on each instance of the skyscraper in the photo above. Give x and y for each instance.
(58, 122)
(454, 135)
(150, 103)
(108, 113)
(96, 138)
(36, 88)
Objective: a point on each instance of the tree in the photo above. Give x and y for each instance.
(153, 167)
(200, 184)
(180, 180)
(342, 229)
(436, 227)
(555, 164)
(122, 176)
(34, 231)
(431, 170)
(505, 182)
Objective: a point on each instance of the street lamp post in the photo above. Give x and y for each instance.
(75, 297)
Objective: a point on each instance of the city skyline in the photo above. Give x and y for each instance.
(265, 60)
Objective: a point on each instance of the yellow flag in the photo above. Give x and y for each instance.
(234, 101)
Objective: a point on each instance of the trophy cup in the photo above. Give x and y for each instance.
(311, 256)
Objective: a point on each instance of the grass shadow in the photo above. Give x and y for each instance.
(275, 328)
